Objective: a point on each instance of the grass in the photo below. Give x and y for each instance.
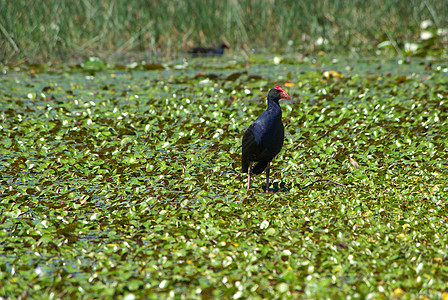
(51, 31)
(119, 182)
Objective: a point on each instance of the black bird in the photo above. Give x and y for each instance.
(199, 51)
(263, 140)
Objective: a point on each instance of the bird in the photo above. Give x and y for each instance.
(263, 139)
(200, 51)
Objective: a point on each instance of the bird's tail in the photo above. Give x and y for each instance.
(259, 168)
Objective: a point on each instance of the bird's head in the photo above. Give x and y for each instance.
(277, 93)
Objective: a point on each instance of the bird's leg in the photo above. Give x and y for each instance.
(267, 177)
(248, 177)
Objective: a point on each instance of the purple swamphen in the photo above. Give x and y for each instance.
(200, 51)
(263, 140)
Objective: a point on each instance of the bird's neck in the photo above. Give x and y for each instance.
(273, 105)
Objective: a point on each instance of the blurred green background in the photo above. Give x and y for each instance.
(43, 30)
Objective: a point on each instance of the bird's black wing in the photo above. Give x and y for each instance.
(200, 51)
(251, 150)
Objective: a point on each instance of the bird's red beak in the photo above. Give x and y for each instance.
(283, 95)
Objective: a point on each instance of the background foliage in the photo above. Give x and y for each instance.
(60, 29)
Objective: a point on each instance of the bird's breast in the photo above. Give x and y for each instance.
(269, 134)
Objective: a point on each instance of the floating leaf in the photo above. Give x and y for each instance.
(234, 76)
(332, 74)
(153, 66)
(354, 163)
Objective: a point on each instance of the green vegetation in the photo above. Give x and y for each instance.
(119, 181)
(120, 176)
(52, 30)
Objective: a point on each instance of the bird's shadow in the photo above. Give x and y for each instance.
(283, 187)
(278, 187)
